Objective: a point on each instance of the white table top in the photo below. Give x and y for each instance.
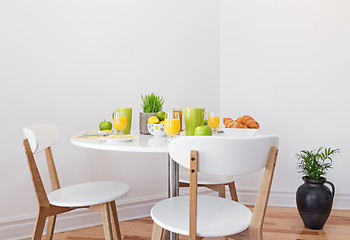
(140, 143)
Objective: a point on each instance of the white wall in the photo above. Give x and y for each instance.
(286, 63)
(72, 63)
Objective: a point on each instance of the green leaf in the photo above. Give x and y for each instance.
(315, 163)
(152, 103)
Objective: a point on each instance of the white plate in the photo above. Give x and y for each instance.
(94, 133)
(119, 140)
(241, 132)
(122, 139)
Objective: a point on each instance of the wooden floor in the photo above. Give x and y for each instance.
(280, 224)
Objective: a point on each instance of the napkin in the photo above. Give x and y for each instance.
(87, 137)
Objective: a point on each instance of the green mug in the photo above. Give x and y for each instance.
(194, 117)
(128, 113)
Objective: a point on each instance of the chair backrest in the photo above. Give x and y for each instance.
(37, 139)
(224, 155)
(41, 137)
(228, 156)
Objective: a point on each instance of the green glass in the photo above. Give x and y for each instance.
(128, 113)
(194, 117)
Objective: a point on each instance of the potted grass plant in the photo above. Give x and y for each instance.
(314, 199)
(151, 104)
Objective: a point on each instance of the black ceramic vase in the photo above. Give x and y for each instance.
(314, 201)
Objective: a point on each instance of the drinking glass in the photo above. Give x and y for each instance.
(214, 120)
(120, 122)
(179, 111)
(172, 124)
(194, 117)
(128, 112)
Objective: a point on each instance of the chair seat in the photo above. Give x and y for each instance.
(87, 194)
(216, 216)
(205, 179)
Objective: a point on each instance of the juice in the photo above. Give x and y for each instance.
(120, 123)
(128, 113)
(214, 122)
(172, 126)
(180, 116)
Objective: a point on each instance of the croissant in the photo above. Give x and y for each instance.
(248, 121)
(226, 121)
(229, 123)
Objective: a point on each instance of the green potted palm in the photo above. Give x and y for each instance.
(314, 199)
(151, 104)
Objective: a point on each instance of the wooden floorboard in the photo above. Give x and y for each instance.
(280, 224)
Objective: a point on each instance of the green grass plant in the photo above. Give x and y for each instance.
(152, 103)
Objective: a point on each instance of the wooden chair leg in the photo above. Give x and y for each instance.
(166, 235)
(157, 232)
(39, 225)
(114, 214)
(233, 191)
(50, 227)
(106, 219)
(221, 190)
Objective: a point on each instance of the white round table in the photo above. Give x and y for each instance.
(140, 143)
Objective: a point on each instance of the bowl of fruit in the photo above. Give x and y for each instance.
(155, 126)
(156, 130)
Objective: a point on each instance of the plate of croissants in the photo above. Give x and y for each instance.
(244, 126)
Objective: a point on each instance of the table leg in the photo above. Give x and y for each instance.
(173, 185)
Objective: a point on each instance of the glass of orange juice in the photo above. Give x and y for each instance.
(179, 111)
(172, 124)
(119, 121)
(214, 120)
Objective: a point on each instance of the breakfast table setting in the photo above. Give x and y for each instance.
(157, 129)
(161, 128)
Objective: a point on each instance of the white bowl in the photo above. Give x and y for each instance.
(156, 129)
(241, 132)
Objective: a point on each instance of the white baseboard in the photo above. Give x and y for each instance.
(21, 227)
(286, 198)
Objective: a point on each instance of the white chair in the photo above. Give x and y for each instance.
(208, 216)
(98, 196)
(213, 182)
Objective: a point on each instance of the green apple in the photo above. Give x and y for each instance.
(105, 125)
(161, 115)
(203, 131)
